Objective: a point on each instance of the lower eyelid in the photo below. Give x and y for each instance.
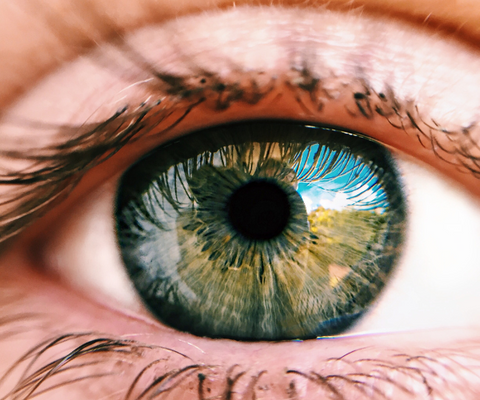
(418, 364)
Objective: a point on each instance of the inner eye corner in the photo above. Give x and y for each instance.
(261, 230)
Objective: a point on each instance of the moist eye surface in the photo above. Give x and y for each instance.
(263, 230)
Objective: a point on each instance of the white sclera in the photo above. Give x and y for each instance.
(83, 252)
(436, 282)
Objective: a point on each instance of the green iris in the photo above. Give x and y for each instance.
(263, 230)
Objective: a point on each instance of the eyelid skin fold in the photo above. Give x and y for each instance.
(32, 29)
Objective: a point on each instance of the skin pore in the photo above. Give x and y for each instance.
(61, 343)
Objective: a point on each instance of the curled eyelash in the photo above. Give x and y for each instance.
(43, 176)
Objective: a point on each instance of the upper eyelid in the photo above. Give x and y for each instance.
(60, 164)
(63, 30)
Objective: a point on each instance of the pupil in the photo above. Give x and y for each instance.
(259, 210)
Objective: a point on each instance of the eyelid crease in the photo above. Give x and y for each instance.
(45, 173)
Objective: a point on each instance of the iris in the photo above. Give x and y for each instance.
(262, 230)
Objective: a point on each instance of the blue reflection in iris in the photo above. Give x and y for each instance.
(335, 179)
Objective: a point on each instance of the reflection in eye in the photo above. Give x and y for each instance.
(217, 238)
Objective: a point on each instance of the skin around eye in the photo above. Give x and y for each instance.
(29, 39)
(209, 369)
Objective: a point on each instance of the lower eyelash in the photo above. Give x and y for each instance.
(144, 371)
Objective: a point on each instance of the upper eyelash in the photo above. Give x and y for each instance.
(55, 170)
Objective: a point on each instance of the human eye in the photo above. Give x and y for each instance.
(69, 340)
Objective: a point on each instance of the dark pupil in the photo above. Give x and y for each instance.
(259, 210)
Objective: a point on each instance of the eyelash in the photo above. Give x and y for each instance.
(420, 373)
(55, 170)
